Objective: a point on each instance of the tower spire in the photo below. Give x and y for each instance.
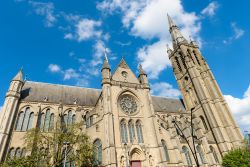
(170, 22)
(105, 62)
(176, 35)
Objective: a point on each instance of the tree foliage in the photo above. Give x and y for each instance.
(237, 158)
(49, 148)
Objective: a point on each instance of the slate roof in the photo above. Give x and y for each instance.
(37, 92)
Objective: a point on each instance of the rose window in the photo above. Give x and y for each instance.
(128, 104)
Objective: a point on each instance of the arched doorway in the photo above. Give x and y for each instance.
(136, 157)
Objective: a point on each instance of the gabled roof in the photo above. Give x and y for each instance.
(45, 92)
(42, 92)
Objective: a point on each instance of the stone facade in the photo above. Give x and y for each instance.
(134, 127)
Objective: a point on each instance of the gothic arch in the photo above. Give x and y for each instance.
(129, 92)
(136, 154)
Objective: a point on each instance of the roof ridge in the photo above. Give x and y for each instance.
(45, 83)
(166, 97)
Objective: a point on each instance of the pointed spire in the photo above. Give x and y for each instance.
(170, 22)
(177, 37)
(105, 62)
(19, 76)
(141, 71)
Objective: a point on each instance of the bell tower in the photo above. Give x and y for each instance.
(200, 91)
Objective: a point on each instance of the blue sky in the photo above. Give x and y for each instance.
(63, 42)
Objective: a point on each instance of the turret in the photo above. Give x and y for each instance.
(16, 85)
(143, 77)
(105, 70)
(9, 113)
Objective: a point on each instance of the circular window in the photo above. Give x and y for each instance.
(128, 104)
(124, 74)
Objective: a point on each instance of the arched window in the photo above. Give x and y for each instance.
(139, 132)
(204, 122)
(19, 121)
(165, 150)
(187, 155)
(47, 120)
(123, 129)
(23, 152)
(69, 122)
(41, 121)
(74, 119)
(51, 122)
(30, 120)
(131, 128)
(214, 154)
(18, 152)
(12, 153)
(65, 119)
(201, 154)
(98, 152)
(26, 119)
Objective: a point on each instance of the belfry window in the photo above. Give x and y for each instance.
(187, 155)
(164, 145)
(139, 132)
(196, 58)
(123, 130)
(24, 120)
(98, 152)
(178, 64)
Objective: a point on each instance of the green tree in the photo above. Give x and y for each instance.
(237, 158)
(49, 148)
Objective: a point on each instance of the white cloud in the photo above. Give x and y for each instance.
(238, 32)
(54, 68)
(45, 9)
(70, 74)
(86, 29)
(154, 58)
(1, 107)
(165, 90)
(240, 108)
(148, 19)
(210, 9)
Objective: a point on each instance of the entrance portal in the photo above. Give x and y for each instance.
(136, 157)
(135, 163)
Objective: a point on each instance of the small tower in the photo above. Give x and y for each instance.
(105, 70)
(143, 77)
(9, 111)
(201, 92)
(108, 116)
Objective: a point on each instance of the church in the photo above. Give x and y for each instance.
(128, 125)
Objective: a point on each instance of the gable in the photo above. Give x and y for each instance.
(124, 74)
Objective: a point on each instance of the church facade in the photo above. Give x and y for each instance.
(129, 126)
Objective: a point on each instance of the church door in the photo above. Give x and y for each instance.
(135, 163)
